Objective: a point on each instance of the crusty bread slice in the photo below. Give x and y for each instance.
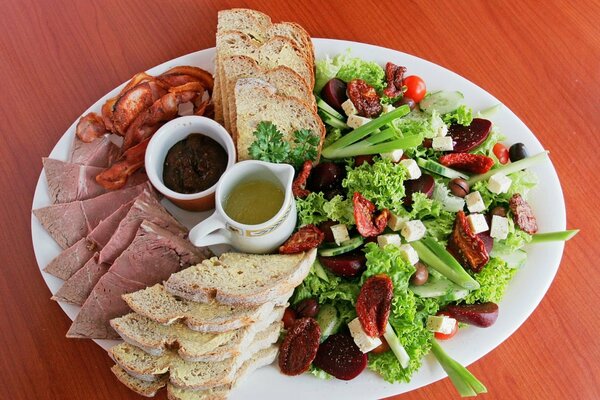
(144, 388)
(298, 34)
(287, 82)
(251, 22)
(236, 278)
(155, 338)
(161, 306)
(259, 360)
(191, 375)
(258, 101)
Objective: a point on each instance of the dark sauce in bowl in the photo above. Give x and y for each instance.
(194, 164)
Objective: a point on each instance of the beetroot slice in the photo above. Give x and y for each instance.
(424, 184)
(466, 138)
(339, 356)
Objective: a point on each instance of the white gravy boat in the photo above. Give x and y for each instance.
(266, 237)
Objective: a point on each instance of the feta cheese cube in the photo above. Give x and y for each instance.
(395, 155)
(340, 233)
(409, 254)
(442, 143)
(475, 202)
(414, 172)
(413, 230)
(364, 342)
(355, 121)
(499, 183)
(349, 108)
(478, 223)
(440, 323)
(396, 222)
(389, 238)
(388, 108)
(442, 130)
(499, 227)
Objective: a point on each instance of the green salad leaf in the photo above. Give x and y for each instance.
(463, 115)
(493, 280)
(315, 209)
(327, 69)
(368, 71)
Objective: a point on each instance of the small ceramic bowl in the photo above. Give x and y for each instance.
(165, 138)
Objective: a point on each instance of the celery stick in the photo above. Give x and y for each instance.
(363, 147)
(511, 167)
(320, 271)
(465, 382)
(489, 112)
(365, 130)
(397, 348)
(561, 236)
(449, 270)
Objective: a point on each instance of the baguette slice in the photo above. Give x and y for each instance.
(241, 279)
(160, 306)
(258, 101)
(144, 388)
(191, 375)
(286, 81)
(155, 338)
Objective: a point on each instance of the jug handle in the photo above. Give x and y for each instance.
(210, 231)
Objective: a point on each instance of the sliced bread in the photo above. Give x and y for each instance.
(144, 388)
(155, 338)
(161, 306)
(192, 375)
(243, 279)
(258, 101)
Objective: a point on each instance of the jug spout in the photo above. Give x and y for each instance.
(284, 172)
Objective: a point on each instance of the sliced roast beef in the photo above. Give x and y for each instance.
(79, 286)
(153, 255)
(69, 222)
(74, 258)
(69, 181)
(98, 153)
(146, 207)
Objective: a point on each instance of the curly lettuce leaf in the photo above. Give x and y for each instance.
(420, 123)
(493, 280)
(382, 183)
(522, 183)
(332, 290)
(328, 68)
(315, 209)
(463, 115)
(368, 71)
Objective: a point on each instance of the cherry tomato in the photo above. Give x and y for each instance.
(446, 336)
(289, 317)
(382, 348)
(415, 88)
(501, 153)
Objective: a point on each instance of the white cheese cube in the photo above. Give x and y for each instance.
(413, 230)
(442, 143)
(475, 202)
(414, 172)
(478, 223)
(349, 108)
(340, 233)
(499, 183)
(396, 222)
(440, 323)
(388, 108)
(443, 131)
(389, 238)
(355, 121)
(395, 155)
(499, 227)
(364, 342)
(409, 254)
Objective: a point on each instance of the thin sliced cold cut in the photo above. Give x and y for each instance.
(98, 153)
(79, 286)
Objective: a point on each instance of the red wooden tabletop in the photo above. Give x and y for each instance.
(542, 61)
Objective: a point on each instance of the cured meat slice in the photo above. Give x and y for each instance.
(98, 153)
(154, 254)
(79, 286)
(70, 182)
(145, 208)
(69, 222)
(71, 260)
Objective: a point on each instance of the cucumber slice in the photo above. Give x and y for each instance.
(443, 101)
(439, 169)
(332, 121)
(344, 247)
(318, 268)
(328, 320)
(322, 105)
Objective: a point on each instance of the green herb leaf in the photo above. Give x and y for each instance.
(269, 144)
(305, 147)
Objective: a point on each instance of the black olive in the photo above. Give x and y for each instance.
(517, 152)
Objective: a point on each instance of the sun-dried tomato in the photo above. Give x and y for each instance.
(523, 214)
(299, 185)
(365, 98)
(467, 162)
(468, 248)
(373, 304)
(308, 237)
(366, 223)
(394, 75)
(299, 348)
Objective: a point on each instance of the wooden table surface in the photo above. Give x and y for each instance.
(58, 57)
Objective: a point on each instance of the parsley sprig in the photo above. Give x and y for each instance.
(271, 146)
